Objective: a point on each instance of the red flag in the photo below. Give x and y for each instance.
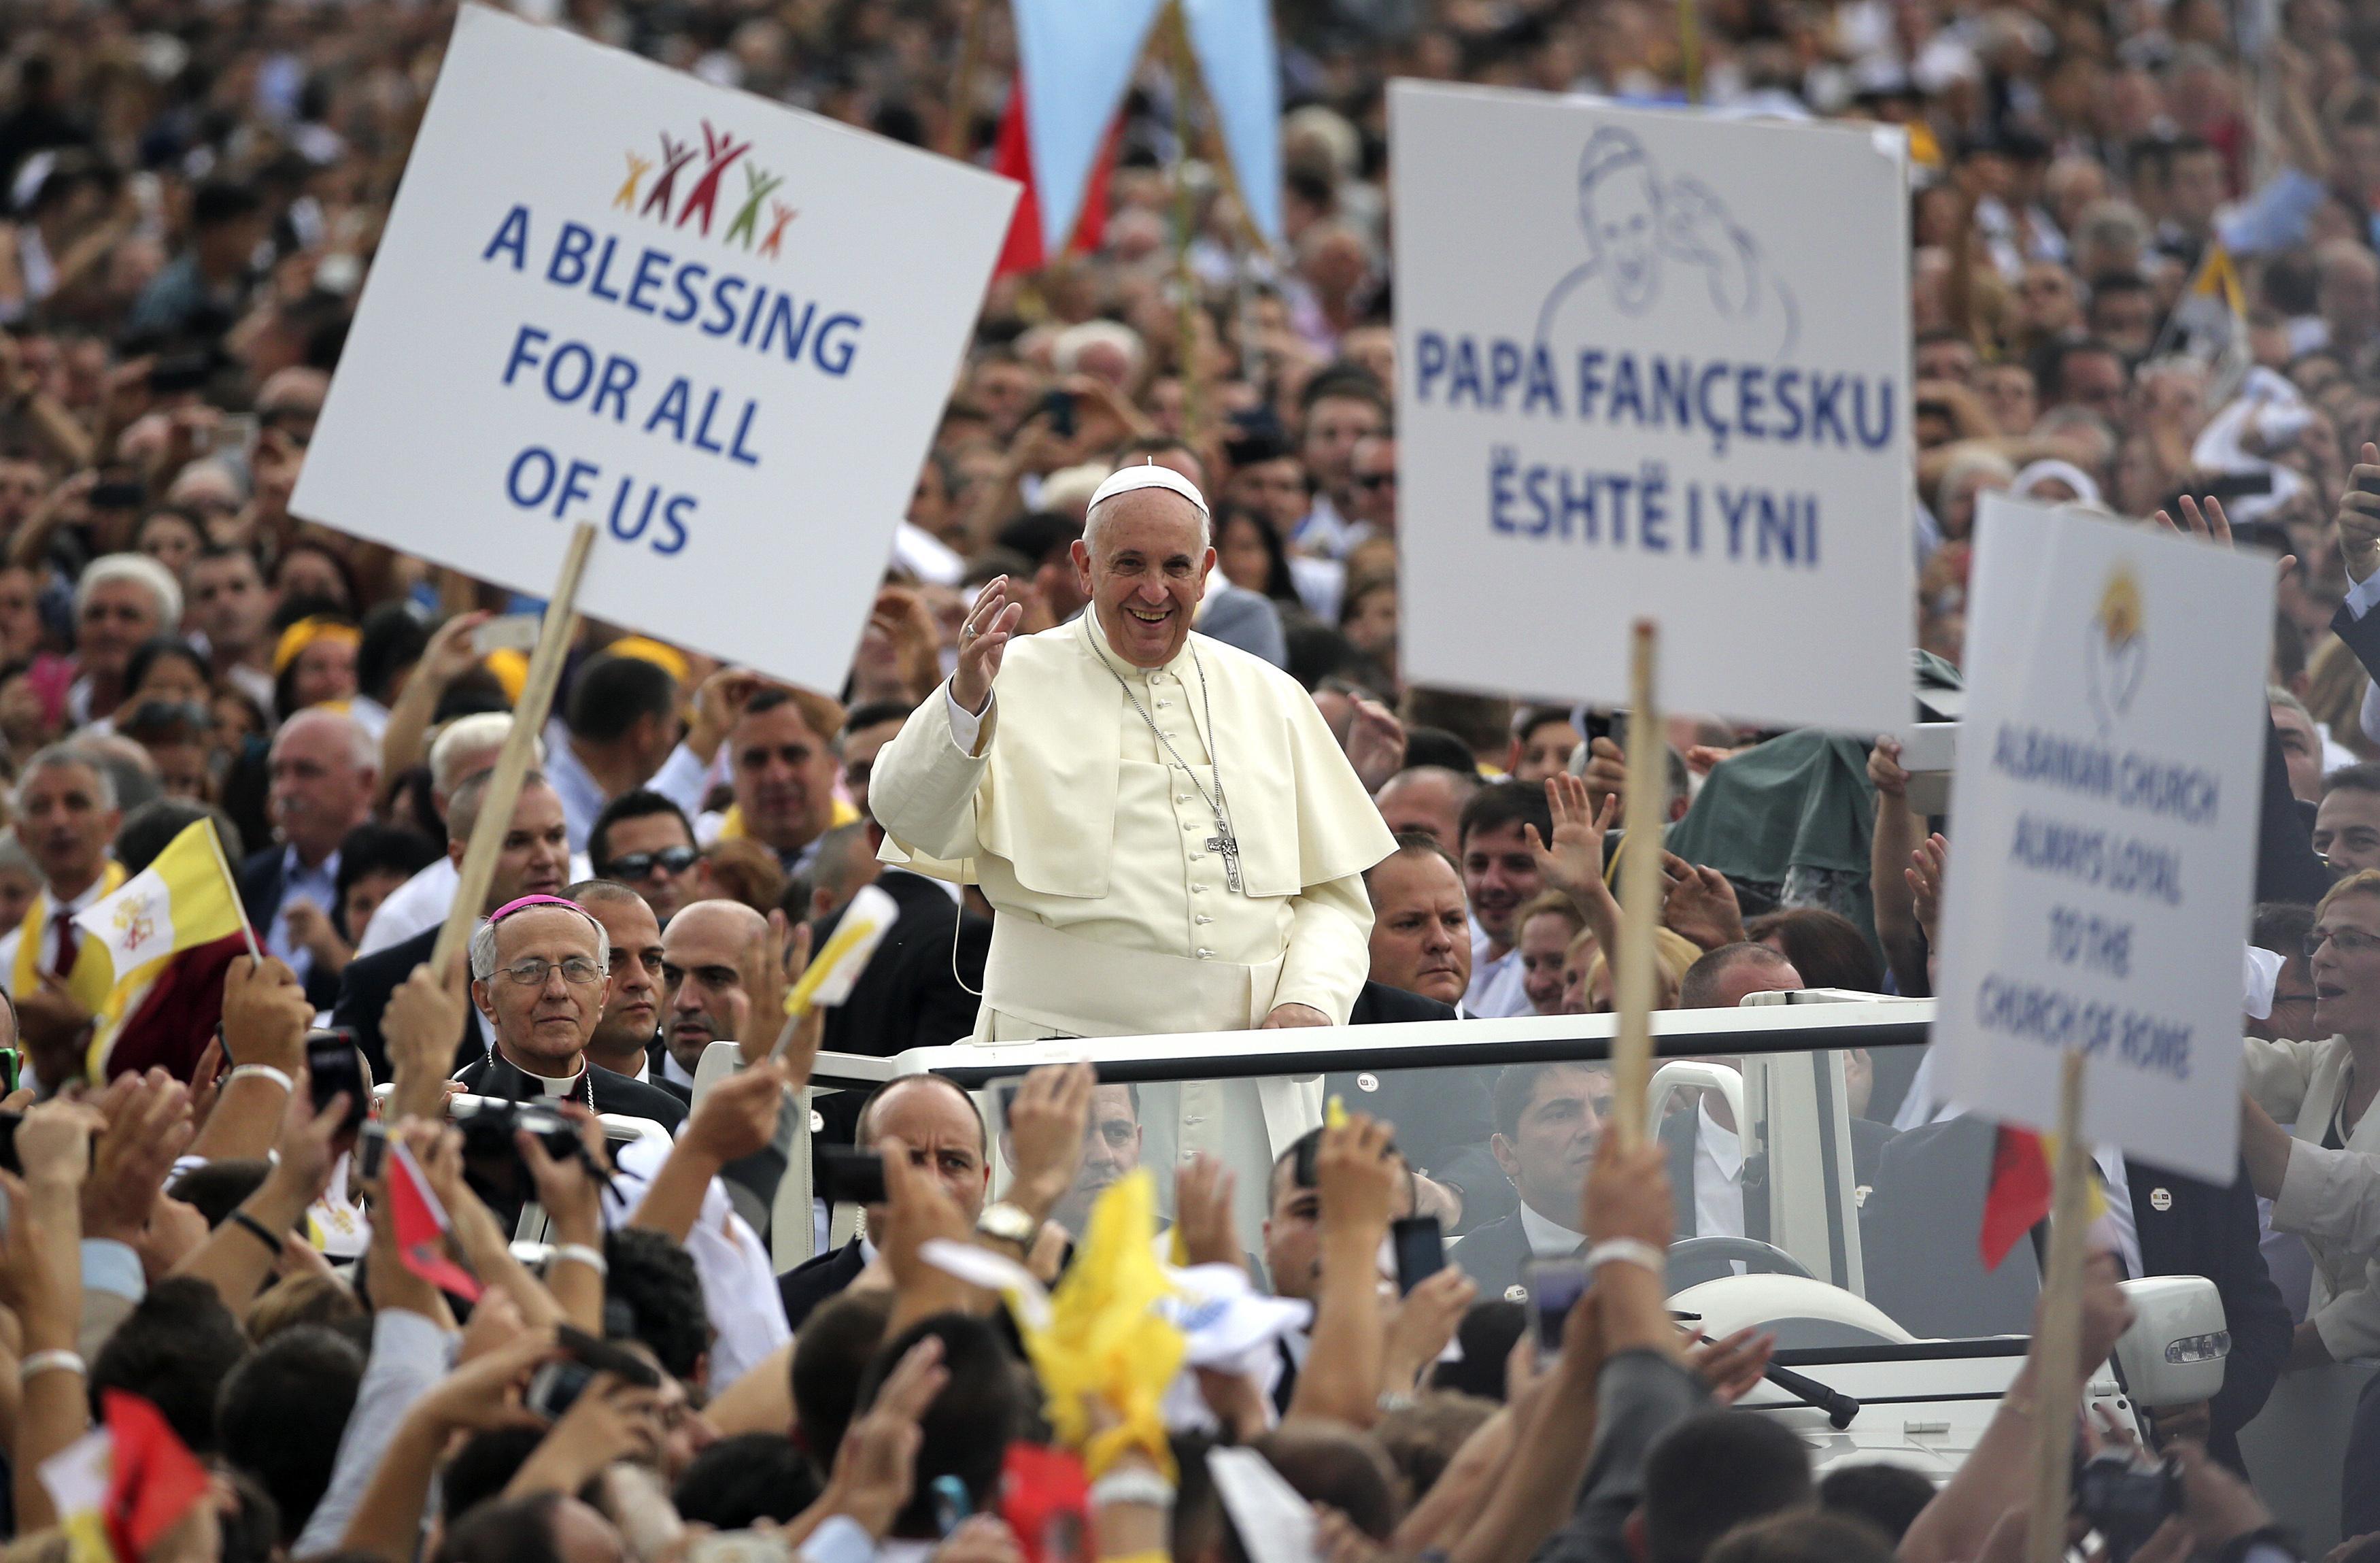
(2018, 1200)
(1046, 1499)
(1012, 155)
(422, 1227)
(153, 1478)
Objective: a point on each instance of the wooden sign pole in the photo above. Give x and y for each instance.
(1640, 884)
(513, 760)
(2057, 1352)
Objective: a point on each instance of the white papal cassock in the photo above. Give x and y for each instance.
(1114, 913)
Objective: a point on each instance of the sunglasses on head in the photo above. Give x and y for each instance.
(637, 865)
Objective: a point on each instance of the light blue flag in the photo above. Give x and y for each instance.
(1233, 44)
(1078, 57)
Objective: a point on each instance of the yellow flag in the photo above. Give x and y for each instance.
(184, 897)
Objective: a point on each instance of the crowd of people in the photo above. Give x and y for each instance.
(2145, 282)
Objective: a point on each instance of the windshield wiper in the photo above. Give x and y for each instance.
(1840, 1409)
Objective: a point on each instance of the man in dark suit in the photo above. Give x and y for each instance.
(627, 1038)
(945, 1135)
(1920, 1232)
(1421, 963)
(324, 767)
(914, 992)
(535, 860)
(1711, 1187)
(1548, 1119)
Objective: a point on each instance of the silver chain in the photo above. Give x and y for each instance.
(1215, 802)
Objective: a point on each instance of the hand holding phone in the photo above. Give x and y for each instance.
(1420, 1250)
(1555, 1286)
(335, 1065)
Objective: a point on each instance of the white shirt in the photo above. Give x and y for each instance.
(1498, 988)
(582, 796)
(739, 1285)
(1718, 1178)
(1549, 1238)
(413, 906)
(419, 904)
(319, 887)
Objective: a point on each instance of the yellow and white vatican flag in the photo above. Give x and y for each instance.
(184, 897)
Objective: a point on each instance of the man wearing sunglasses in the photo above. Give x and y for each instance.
(643, 840)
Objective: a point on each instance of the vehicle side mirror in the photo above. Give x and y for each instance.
(2173, 1353)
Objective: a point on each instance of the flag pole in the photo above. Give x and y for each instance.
(957, 129)
(513, 760)
(1640, 884)
(2059, 1350)
(247, 929)
(1185, 82)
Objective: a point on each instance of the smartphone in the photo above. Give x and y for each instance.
(335, 1065)
(606, 1357)
(120, 495)
(1420, 1248)
(177, 373)
(853, 1175)
(953, 1507)
(1555, 1286)
(12, 1066)
(371, 1149)
(555, 1387)
(1060, 406)
(8, 1162)
(506, 632)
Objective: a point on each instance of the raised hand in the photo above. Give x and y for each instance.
(2359, 516)
(764, 982)
(1573, 862)
(982, 640)
(1701, 903)
(1927, 867)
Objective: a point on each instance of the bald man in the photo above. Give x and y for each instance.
(703, 998)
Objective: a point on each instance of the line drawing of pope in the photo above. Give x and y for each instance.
(1639, 226)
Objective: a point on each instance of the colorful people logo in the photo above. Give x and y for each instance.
(1639, 225)
(721, 151)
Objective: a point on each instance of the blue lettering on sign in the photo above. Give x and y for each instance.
(1712, 399)
(759, 315)
(1546, 502)
(540, 481)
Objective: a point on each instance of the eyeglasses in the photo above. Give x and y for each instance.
(2351, 940)
(639, 865)
(167, 713)
(576, 970)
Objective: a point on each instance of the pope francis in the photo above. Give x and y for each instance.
(1168, 834)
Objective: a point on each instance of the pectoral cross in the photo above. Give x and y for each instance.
(1226, 845)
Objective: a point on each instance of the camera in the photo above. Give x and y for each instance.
(491, 1160)
(2126, 1502)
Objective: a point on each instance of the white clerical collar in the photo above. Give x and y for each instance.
(1549, 1238)
(1724, 1146)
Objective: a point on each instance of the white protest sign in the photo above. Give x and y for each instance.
(1652, 363)
(720, 329)
(2103, 815)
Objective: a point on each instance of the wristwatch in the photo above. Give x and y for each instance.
(1005, 1223)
